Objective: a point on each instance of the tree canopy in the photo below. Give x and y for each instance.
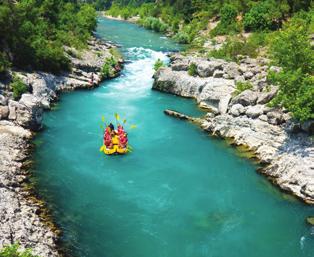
(33, 32)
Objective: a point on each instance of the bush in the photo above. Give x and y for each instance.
(234, 47)
(158, 64)
(108, 68)
(228, 21)
(154, 24)
(264, 15)
(192, 71)
(242, 86)
(182, 38)
(18, 87)
(291, 49)
(13, 251)
(296, 93)
(34, 32)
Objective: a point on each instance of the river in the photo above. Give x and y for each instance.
(180, 193)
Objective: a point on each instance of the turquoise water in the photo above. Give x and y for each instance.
(179, 194)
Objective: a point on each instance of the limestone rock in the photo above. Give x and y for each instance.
(265, 97)
(247, 97)
(223, 104)
(207, 68)
(254, 111)
(29, 112)
(263, 117)
(3, 100)
(218, 74)
(231, 70)
(237, 109)
(4, 112)
(248, 75)
(275, 117)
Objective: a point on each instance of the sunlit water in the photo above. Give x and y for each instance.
(179, 193)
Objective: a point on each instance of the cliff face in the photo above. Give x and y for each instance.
(276, 139)
(22, 216)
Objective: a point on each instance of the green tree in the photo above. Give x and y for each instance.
(291, 49)
(262, 16)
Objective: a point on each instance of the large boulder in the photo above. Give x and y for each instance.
(223, 104)
(207, 68)
(4, 112)
(275, 117)
(254, 111)
(231, 70)
(237, 109)
(28, 112)
(247, 97)
(3, 100)
(265, 97)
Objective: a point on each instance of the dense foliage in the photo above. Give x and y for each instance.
(18, 88)
(108, 68)
(228, 21)
(14, 251)
(291, 49)
(189, 21)
(33, 32)
(264, 15)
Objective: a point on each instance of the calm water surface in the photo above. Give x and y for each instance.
(179, 194)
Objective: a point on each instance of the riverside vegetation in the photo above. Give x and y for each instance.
(279, 30)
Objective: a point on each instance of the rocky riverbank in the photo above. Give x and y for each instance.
(282, 145)
(23, 217)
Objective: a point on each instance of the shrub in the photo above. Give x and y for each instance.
(264, 15)
(107, 70)
(228, 21)
(242, 86)
(158, 64)
(18, 87)
(154, 24)
(291, 49)
(13, 251)
(228, 14)
(182, 38)
(296, 93)
(234, 47)
(192, 71)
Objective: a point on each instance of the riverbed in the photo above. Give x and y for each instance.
(180, 193)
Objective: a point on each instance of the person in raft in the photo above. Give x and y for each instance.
(123, 138)
(107, 138)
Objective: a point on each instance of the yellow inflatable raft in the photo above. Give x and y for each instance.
(115, 149)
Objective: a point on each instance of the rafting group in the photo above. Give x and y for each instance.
(115, 141)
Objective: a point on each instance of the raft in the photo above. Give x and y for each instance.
(115, 149)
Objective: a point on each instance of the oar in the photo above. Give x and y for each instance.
(116, 115)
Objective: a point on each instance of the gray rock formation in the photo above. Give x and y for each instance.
(245, 118)
(19, 220)
(247, 97)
